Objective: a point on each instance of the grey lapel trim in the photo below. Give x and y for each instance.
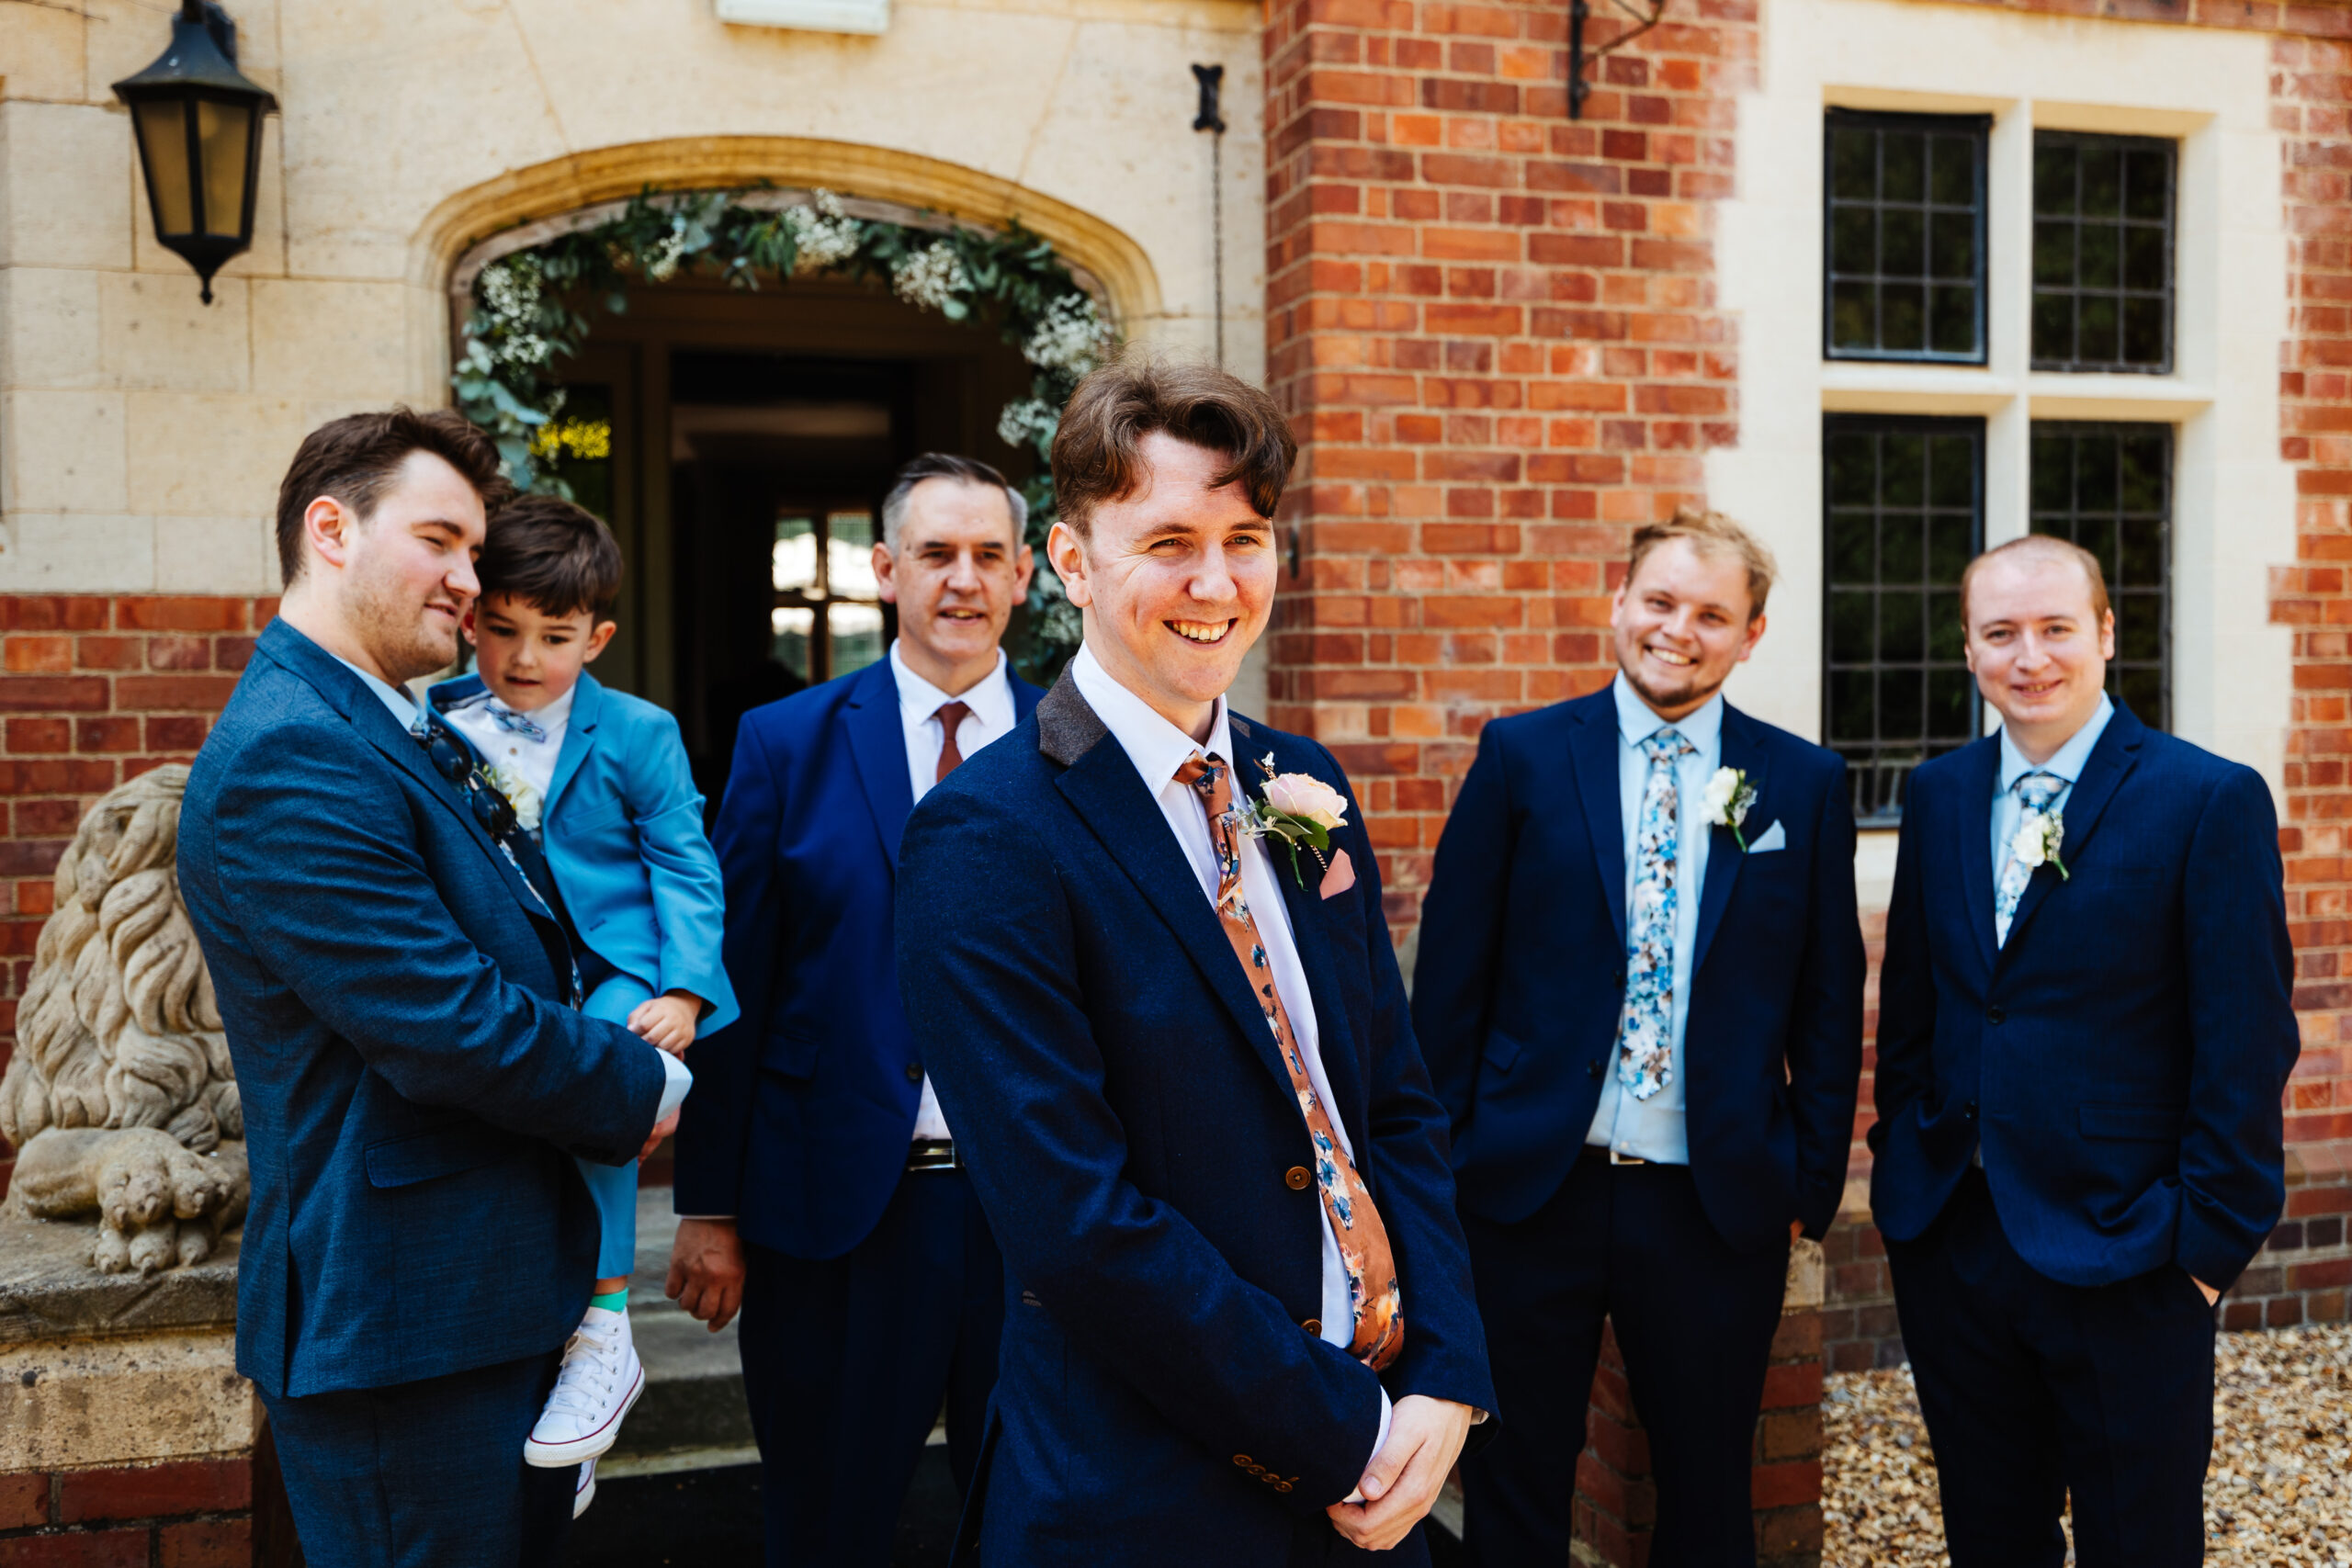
(1066, 727)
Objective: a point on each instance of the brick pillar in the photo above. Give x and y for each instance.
(1495, 329)
(94, 691)
(1616, 1501)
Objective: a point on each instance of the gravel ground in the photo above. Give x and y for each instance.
(2280, 1491)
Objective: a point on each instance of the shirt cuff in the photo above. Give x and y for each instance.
(1388, 1412)
(677, 1080)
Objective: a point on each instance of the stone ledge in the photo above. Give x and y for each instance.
(48, 1290)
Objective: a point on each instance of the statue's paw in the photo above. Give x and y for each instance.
(111, 1254)
(196, 1243)
(156, 1247)
(199, 1186)
(136, 1176)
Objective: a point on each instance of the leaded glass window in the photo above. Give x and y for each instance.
(1905, 513)
(2102, 252)
(2109, 489)
(1904, 226)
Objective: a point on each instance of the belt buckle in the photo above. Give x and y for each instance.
(932, 1153)
(1617, 1158)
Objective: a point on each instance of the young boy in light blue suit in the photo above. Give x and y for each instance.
(601, 778)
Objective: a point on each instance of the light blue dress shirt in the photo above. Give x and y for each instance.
(397, 701)
(1653, 1129)
(2066, 762)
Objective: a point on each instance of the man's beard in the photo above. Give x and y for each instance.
(395, 631)
(1689, 694)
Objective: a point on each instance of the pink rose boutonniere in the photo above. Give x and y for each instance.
(1297, 808)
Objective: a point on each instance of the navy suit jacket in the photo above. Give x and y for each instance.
(2122, 1056)
(802, 1113)
(1521, 975)
(414, 1083)
(1131, 1133)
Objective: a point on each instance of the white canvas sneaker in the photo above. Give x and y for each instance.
(600, 1380)
(585, 1492)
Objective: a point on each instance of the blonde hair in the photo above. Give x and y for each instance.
(1710, 533)
(2049, 548)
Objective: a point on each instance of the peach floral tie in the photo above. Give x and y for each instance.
(1372, 1294)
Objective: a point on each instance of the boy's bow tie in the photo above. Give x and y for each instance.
(514, 723)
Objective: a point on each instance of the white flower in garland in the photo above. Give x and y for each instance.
(1071, 338)
(662, 265)
(930, 278)
(822, 234)
(1028, 421)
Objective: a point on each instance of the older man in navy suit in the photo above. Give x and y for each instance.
(821, 1180)
(1640, 988)
(1141, 944)
(401, 1000)
(2085, 1023)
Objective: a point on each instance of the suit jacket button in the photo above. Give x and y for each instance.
(1296, 1179)
(1314, 1326)
(1241, 1460)
(1995, 1015)
(1592, 1068)
(914, 1072)
(1281, 1486)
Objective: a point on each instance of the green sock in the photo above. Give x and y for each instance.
(616, 1302)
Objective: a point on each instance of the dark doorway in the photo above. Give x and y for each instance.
(741, 444)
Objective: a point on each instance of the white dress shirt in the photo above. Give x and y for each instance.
(1653, 1129)
(992, 717)
(1158, 748)
(535, 759)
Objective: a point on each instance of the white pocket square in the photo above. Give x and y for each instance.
(1773, 838)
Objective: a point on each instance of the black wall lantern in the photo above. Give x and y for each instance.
(199, 121)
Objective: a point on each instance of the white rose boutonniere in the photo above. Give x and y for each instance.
(2039, 835)
(1729, 798)
(1298, 808)
(520, 794)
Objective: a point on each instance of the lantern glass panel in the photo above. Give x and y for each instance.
(163, 136)
(222, 132)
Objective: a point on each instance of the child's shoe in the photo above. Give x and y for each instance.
(585, 1492)
(601, 1378)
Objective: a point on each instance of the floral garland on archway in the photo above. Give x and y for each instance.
(530, 309)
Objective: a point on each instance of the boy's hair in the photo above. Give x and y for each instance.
(558, 558)
(1115, 407)
(1711, 533)
(355, 458)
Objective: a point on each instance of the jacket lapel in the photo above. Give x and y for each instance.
(346, 694)
(1743, 748)
(2114, 757)
(1101, 785)
(878, 744)
(1310, 915)
(579, 735)
(1592, 746)
(1980, 779)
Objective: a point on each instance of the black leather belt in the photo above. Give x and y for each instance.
(1609, 1156)
(932, 1153)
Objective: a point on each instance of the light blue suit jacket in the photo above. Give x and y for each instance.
(622, 828)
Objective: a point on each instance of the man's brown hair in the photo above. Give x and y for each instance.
(1711, 533)
(557, 558)
(2043, 546)
(355, 459)
(1115, 408)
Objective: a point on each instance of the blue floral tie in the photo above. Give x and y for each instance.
(2035, 791)
(1645, 1030)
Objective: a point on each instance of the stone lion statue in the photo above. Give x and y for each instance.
(119, 1097)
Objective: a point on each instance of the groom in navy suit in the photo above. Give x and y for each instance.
(401, 1003)
(1640, 991)
(822, 1187)
(2085, 1023)
(1168, 1029)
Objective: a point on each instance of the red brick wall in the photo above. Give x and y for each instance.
(94, 691)
(1495, 330)
(195, 1514)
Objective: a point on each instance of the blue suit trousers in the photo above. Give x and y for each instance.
(614, 995)
(425, 1475)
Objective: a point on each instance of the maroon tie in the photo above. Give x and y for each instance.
(951, 717)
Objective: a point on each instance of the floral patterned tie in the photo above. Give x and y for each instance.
(1373, 1295)
(1646, 1029)
(2035, 791)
